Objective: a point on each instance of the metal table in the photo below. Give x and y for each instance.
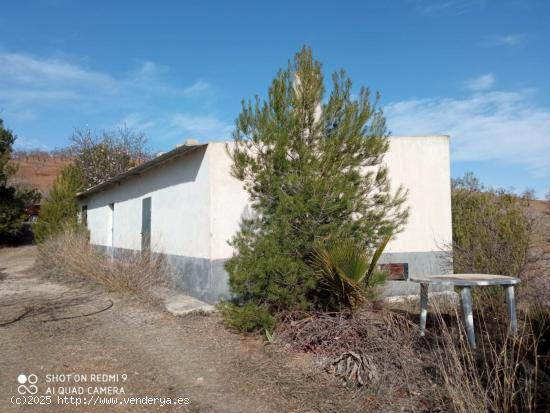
(465, 282)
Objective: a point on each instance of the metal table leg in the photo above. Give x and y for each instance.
(466, 298)
(423, 307)
(511, 305)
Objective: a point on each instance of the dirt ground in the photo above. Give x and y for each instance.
(154, 354)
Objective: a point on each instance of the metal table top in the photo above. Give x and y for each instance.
(464, 280)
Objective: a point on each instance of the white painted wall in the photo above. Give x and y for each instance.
(229, 201)
(422, 165)
(197, 205)
(180, 212)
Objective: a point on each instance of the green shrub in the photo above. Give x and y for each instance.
(346, 270)
(491, 232)
(247, 317)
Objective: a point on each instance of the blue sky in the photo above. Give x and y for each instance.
(475, 69)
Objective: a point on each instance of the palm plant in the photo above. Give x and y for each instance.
(347, 270)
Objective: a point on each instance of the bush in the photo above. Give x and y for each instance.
(491, 232)
(60, 209)
(69, 256)
(247, 318)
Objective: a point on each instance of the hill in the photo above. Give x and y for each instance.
(39, 170)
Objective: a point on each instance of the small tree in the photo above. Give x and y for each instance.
(313, 171)
(99, 157)
(60, 208)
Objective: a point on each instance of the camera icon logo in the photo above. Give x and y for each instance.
(27, 384)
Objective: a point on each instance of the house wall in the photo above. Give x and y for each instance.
(180, 217)
(181, 184)
(197, 207)
(421, 164)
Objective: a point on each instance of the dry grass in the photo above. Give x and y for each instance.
(501, 375)
(70, 257)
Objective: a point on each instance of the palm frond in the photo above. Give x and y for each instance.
(377, 255)
(345, 268)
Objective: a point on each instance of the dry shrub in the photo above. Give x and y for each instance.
(69, 256)
(501, 375)
(381, 354)
(322, 333)
(376, 352)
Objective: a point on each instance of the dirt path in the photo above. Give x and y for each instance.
(190, 357)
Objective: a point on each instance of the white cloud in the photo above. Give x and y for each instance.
(34, 83)
(492, 125)
(480, 83)
(27, 70)
(209, 127)
(28, 144)
(454, 7)
(198, 88)
(26, 79)
(514, 39)
(148, 70)
(31, 86)
(136, 121)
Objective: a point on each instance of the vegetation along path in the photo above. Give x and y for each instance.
(46, 330)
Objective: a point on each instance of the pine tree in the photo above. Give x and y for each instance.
(7, 139)
(60, 209)
(12, 214)
(313, 169)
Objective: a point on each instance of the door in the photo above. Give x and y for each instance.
(111, 227)
(146, 224)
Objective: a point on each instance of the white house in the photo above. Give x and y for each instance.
(186, 205)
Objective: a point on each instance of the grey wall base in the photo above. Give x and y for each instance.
(208, 281)
(420, 263)
(201, 278)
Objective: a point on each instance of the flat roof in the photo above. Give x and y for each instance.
(138, 170)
